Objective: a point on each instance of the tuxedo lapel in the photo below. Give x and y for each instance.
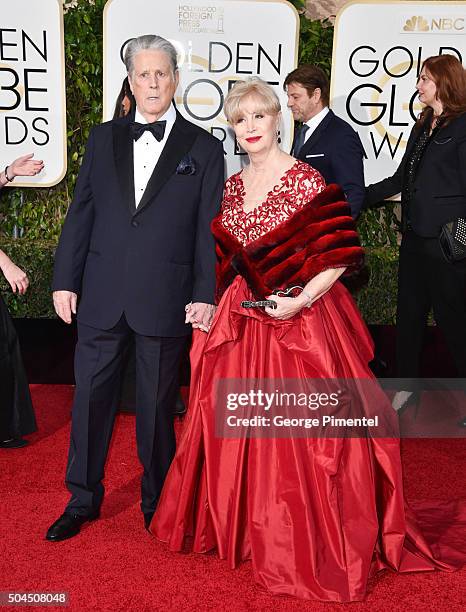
(179, 142)
(123, 155)
(317, 133)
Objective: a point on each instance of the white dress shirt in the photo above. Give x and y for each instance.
(147, 150)
(314, 122)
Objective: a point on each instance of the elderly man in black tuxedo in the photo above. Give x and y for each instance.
(136, 248)
(324, 141)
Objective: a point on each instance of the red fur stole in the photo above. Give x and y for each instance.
(319, 236)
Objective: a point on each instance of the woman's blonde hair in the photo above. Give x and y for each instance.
(269, 104)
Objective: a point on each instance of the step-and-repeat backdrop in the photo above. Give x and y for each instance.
(378, 50)
(377, 55)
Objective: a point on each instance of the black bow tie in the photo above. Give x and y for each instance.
(157, 128)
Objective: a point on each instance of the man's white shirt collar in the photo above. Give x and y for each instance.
(169, 116)
(315, 121)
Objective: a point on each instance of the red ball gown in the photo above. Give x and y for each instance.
(316, 516)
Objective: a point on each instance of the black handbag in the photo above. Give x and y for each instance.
(453, 240)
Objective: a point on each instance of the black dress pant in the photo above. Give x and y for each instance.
(98, 362)
(427, 281)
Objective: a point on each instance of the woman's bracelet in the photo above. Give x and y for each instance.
(309, 297)
(8, 179)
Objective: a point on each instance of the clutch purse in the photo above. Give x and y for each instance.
(259, 304)
(453, 240)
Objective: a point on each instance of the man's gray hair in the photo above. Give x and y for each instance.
(149, 42)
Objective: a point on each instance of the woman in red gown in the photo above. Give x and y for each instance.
(316, 516)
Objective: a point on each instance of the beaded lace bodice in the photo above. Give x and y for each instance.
(298, 186)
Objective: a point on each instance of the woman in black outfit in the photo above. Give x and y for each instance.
(16, 411)
(432, 180)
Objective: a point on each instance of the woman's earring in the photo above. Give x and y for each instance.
(278, 137)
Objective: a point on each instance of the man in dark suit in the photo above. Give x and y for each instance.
(136, 248)
(324, 141)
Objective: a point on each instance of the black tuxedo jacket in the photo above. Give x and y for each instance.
(336, 151)
(149, 262)
(439, 190)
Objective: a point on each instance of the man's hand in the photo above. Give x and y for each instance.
(64, 303)
(200, 315)
(16, 277)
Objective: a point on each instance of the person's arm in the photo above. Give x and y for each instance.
(348, 168)
(17, 279)
(4, 178)
(200, 311)
(22, 166)
(73, 246)
(377, 192)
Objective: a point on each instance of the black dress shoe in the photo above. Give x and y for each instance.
(462, 423)
(180, 407)
(148, 519)
(14, 443)
(68, 525)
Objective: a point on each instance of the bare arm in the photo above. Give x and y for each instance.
(22, 166)
(17, 279)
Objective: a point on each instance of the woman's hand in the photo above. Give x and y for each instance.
(287, 307)
(16, 277)
(318, 286)
(25, 166)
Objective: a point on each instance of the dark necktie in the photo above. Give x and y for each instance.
(157, 128)
(300, 139)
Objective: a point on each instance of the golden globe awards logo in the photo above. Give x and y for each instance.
(208, 73)
(418, 23)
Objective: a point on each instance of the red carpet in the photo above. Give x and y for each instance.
(114, 564)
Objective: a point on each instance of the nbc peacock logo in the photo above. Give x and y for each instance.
(416, 24)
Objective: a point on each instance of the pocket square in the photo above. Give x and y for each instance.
(187, 166)
(315, 155)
